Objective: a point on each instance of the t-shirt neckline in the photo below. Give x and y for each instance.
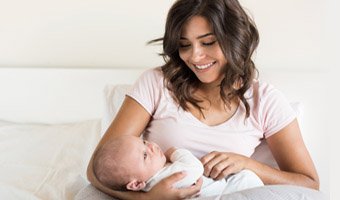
(200, 123)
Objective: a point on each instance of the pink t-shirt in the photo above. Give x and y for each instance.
(172, 126)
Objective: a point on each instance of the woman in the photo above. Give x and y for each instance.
(205, 99)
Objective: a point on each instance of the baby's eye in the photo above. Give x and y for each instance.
(145, 155)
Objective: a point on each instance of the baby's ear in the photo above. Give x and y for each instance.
(135, 185)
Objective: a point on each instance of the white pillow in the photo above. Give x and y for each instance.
(45, 161)
(115, 94)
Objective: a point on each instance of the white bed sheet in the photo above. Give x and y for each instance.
(40, 161)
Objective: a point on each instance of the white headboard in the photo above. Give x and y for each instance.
(57, 95)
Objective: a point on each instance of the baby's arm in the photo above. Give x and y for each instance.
(184, 160)
(179, 160)
(169, 152)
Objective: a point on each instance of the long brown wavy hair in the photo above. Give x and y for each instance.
(237, 36)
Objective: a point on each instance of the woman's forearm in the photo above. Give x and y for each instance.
(271, 175)
(292, 156)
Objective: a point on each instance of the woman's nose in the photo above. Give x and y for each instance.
(197, 54)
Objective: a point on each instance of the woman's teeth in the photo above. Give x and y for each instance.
(204, 66)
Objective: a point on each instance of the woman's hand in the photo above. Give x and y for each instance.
(165, 190)
(218, 165)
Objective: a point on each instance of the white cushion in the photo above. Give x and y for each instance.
(268, 192)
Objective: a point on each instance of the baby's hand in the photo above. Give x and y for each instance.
(169, 152)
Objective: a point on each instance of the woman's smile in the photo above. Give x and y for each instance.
(204, 66)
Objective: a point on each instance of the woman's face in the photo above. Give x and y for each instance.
(200, 50)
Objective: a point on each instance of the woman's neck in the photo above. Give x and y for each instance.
(211, 89)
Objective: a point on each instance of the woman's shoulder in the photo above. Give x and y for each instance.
(260, 89)
(262, 94)
(155, 72)
(152, 76)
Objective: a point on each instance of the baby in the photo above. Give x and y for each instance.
(131, 163)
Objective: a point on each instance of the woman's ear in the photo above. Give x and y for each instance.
(135, 185)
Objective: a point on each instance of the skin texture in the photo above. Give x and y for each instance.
(287, 146)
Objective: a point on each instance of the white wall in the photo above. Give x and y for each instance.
(290, 32)
(112, 33)
(333, 49)
(80, 33)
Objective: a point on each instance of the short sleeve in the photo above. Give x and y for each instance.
(146, 90)
(276, 112)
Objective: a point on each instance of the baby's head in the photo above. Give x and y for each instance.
(127, 162)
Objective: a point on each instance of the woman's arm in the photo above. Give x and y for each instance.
(289, 151)
(132, 119)
(293, 158)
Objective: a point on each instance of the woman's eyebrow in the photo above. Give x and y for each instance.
(198, 37)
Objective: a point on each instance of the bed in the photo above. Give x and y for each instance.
(51, 120)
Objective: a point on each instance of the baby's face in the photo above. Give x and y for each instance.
(144, 157)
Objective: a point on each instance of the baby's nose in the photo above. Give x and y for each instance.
(151, 147)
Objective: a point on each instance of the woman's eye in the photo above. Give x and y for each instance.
(184, 45)
(209, 43)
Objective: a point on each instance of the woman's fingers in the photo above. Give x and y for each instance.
(172, 179)
(222, 170)
(165, 190)
(225, 173)
(218, 165)
(224, 165)
(205, 159)
(209, 166)
(192, 190)
(214, 163)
